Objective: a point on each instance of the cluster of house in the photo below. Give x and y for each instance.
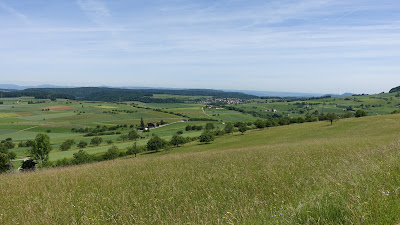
(272, 110)
(222, 100)
(152, 125)
(214, 107)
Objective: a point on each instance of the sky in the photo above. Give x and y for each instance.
(312, 46)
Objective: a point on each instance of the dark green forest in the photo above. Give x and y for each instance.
(116, 94)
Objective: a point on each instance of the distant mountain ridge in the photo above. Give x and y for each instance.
(288, 94)
(18, 87)
(9, 87)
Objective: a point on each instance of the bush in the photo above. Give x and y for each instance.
(82, 144)
(96, 141)
(242, 128)
(4, 160)
(112, 153)
(348, 114)
(360, 113)
(207, 137)
(63, 162)
(67, 144)
(12, 155)
(156, 143)
(81, 157)
(209, 126)
(8, 144)
(29, 143)
(177, 140)
(133, 150)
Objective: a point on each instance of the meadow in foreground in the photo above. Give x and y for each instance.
(312, 173)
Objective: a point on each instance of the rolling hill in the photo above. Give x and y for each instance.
(312, 173)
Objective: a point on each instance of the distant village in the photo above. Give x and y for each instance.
(229, 101)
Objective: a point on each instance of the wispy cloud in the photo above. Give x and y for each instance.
(266, 40)
(96, 10)
(15, 13)
(98, 13)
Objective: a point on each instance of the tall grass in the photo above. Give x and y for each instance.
(348, 173)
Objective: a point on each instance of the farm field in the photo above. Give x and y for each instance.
(311, 173)
(372, 104)
(21, 122)
(23, 118)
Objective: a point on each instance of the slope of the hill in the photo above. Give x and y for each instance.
(313, 173)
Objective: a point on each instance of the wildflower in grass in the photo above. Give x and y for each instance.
(384, 192)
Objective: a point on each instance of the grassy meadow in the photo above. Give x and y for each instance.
(311, 173)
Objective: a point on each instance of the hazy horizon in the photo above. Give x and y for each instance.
(307, 46)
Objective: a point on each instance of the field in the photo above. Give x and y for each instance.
(372, 104)
(23, 118)
(312, 173)
(22, 121)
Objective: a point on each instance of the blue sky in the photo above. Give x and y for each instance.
(319, 46)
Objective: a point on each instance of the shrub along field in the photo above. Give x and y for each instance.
(310, 173)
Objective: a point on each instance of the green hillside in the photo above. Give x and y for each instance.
(311, 173)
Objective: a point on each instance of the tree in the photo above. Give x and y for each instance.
(133, 150)
(112, 153)
(260, 124)
(4, 160)
(8, 144)
(67, 144)
(209, 126)
(12, 155)
(331, 117)
(156, 143)
(124, 137)
(29, 143)
(177, 140)
(96, 141)
(81, 157)
(133, 135)
(348, 114)
(82, 144)
(207, 137)
(242, 128)
(360, 113)
(229, 128)
(3, 149)
(142, 123)
(41, 149)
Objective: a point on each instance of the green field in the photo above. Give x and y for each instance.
(22, 121)
(372, 104)
(312, 173)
